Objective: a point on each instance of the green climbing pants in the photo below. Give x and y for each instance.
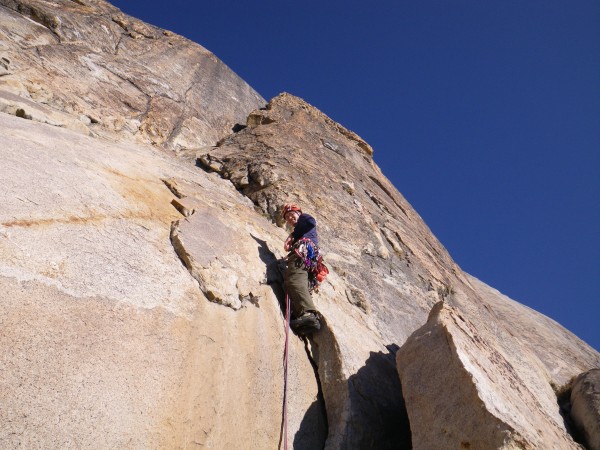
(296, 286)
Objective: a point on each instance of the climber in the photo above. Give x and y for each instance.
(300, 275)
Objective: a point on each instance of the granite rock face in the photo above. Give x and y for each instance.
(462, 391)
(585, 406)
(86, 66)
(373, 238)
(106, 336)
(141, 304)
(388, 271)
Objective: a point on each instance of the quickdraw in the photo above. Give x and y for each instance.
(311, 261)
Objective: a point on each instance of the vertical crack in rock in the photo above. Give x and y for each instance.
(321, 407)
(326, 356)
(366, 409)
(379, 418)
(563, 399)
(314, 428)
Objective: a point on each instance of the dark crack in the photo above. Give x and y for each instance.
(313, 363)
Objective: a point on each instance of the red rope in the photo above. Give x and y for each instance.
(285, 369)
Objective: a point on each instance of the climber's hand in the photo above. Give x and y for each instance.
(288, 243)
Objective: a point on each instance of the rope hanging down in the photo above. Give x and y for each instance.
(285, 370)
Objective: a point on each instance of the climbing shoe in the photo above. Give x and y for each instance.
(306, 323)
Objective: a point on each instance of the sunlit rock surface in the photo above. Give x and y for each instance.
(463, 391)
(106, 337)
(87, 66)
(140, 303)
(392, 271)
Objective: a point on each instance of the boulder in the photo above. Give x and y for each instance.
(461, 391)
(585, 406)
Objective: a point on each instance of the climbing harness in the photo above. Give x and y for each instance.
(311, 260)
(285, 368)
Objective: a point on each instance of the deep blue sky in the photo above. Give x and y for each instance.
(484, 115)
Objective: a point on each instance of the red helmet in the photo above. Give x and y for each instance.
(288, 207)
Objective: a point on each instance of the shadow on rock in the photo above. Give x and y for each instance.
(238, 127)
(366, 410)
(275, 268)
(378, 416)
(563, 399)
(313, 429)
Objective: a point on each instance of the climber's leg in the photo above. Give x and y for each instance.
(296, 286)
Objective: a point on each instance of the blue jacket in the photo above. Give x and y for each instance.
(306, 227)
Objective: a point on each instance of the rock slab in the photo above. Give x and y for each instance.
(585, 406)
(462, 392)
(107, 339)
(93, 69)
